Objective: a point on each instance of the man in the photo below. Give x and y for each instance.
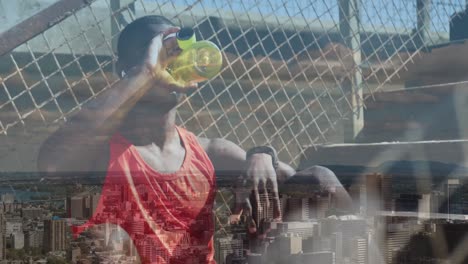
(166, 174)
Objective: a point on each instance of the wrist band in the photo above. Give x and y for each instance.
(266, 150)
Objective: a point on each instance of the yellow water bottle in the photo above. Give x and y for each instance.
(198, 61)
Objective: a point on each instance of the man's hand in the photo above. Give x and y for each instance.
(260, 173)
(163, 50)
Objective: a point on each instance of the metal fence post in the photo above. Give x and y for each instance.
(350, 31)
(117, 20)
(423, 10)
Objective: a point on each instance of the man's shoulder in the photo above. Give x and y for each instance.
(213, 144)
(204, 142)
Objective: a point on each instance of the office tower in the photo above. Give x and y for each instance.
(337, 247)
(323, 257)
(387, 195)
(109, 229)
(10, 207)
(226, 246)
(33, 239)
(395, 243)
(17, 240)
(8, 198)
(373, 186)
(2, 223)
(94, 202)
(2, 246)
(130, 248)
(74, 254)
(254, 258)
(437, 198)
(124, 193)
(301, 229)
(31, 213)
(152, 253)
(359, 250)
(424, 206)
(317, 244)
(283, 204)
(90, 204)
(454, 197)
(263, 209)
(77, 207)
(13, 225)
(329, 226)
(319, 206)
(288, 244)
(54, 235)
(379, 193)
(358, 195)
(297, 209)
(374, 252)
(394, 234)
(86, 206)
(2, 237)
(137, 226)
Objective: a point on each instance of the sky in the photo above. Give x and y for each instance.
(395, 13)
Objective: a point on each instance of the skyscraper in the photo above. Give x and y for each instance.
(94, 202)
(31, 213)
(137, 226)
(226, 246)
(358, 195)
(319, 206)
(17, 240)
(254, 258)
(263, 209)
(8, 198)
(2, 237)
(337, 247)
(297, 209)
(379, 194)
(359, 250)
(2, 224)
(424, 205)
(301, 229)
(386, 193)
(152, 253)
(54, 235)
(288, 244)
(77, 206)
(2, 246)
(454, 197)
(33, 239)
(322, 257)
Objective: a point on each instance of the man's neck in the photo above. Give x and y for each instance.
(144, 127)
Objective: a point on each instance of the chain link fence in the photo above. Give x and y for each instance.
(286, 68)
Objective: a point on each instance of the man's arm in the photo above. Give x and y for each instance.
(76, 145)
(81, 144)
(229, 159)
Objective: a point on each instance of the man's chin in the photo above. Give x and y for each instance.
(159, 103)
(165, 106)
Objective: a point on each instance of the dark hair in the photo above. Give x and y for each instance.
(136, 36)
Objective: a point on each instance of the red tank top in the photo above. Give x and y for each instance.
(168, 216)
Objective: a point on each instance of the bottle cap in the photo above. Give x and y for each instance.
(186, 37)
